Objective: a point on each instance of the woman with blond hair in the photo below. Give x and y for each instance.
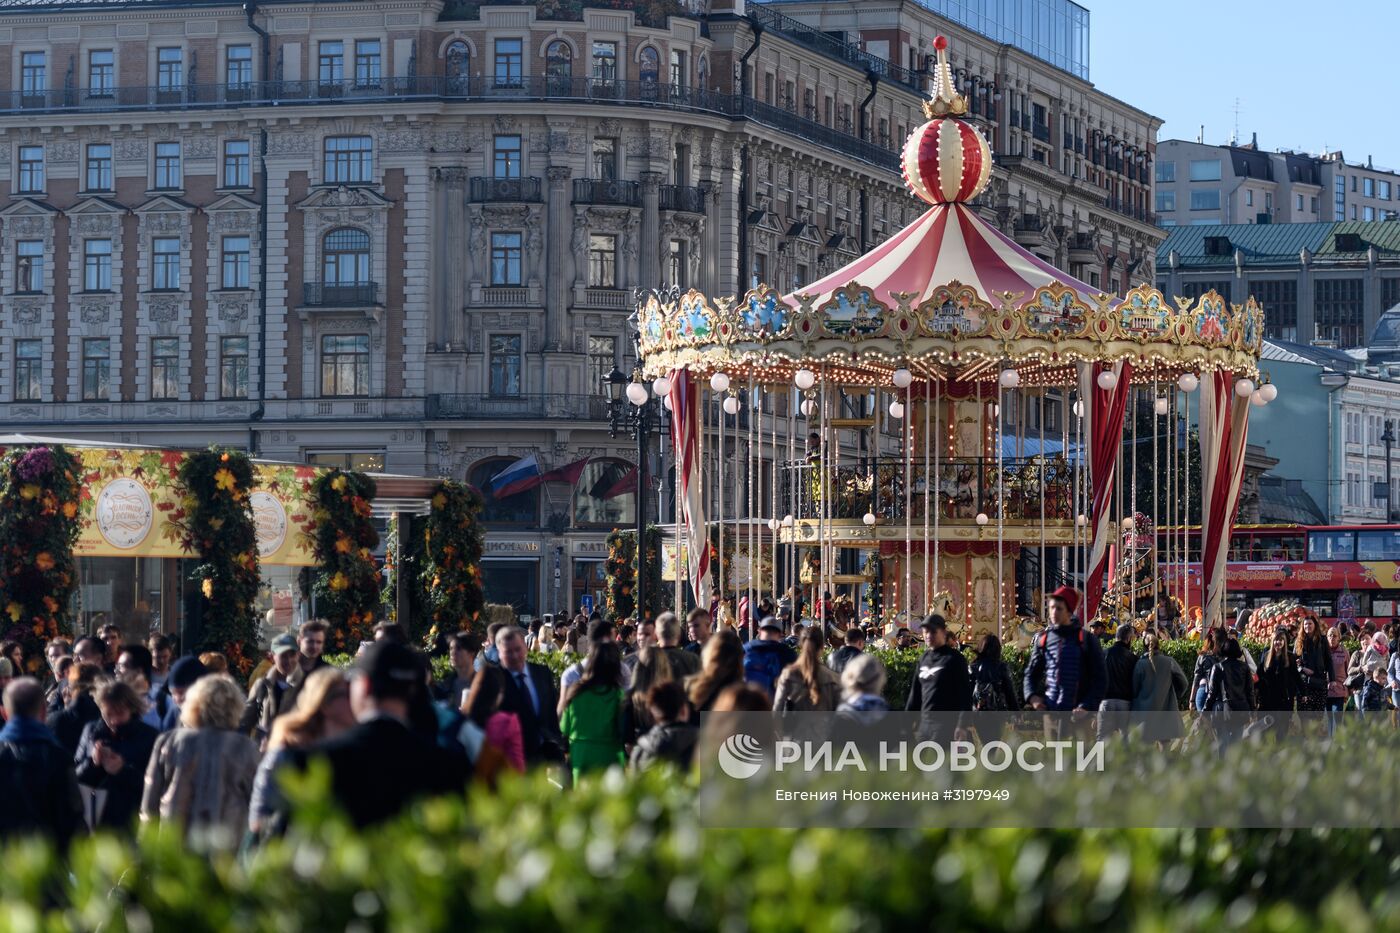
(201, 774)
(322, 710)
(806, 686)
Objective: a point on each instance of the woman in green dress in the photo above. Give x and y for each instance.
(592, 722)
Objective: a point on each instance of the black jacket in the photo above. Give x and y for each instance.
(674, 743)
(1231, 687)
(380, 766)
(841, 657)
(997, 675)
(67, 724)
(1279, 684)
(941, 682)
(540, 731)
(1119, 663)
(133, 742)
(38, 791)
(264, 703)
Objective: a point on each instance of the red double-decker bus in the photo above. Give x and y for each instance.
(1341, 572)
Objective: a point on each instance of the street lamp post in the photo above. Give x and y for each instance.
(1388, 438)
(632, 410)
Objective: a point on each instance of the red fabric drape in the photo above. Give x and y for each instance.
(1105, 410)
(685, 435)
(1224, 430)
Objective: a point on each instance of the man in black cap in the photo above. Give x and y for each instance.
(183, 674)
(380, 766)
(941, 683)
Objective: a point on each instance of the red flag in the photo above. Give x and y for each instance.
(566, 474)
(622, 487)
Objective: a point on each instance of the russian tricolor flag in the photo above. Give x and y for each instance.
(521, 475)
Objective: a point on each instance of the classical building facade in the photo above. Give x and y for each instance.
(404, 235)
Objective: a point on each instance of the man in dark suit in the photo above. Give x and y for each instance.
(380, 766)
(530, 695)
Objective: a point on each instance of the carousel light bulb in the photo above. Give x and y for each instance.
(788, 521)
(1187, 382)
(869, 518)
(1082, 520)
(661, 385)
(1078, 409)
(666, 401)
(902, 378)
(1257, 399)
(1269, 391)
(808, 406)
(1128, 524)
(896, 409)
(982, 518)
(1244, 388)
(731, 405)
(804, 379)
(1107, 381)
(774, 524)
(720, 382)
(1010, 378)
(637, 394)
(1161, 406)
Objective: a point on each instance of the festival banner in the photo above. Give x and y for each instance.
(131, 506)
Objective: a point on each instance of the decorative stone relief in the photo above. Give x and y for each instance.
(234, 221)
(289, 143)
(29, 310)
(63, 152)
(132, 150)
(93, 224)
(164, 310)
(95, 313)
(31, 225)
(404, 139)
(232, 309)
(199, 148)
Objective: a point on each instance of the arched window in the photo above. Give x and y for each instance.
(523, 508)
(649, 70)
(345, 258)
(459, 60)
(606, 495)
(702, 73)
(559, 66)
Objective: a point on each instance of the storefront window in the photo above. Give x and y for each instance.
(124, 591)
(512, 582)
(606, 494)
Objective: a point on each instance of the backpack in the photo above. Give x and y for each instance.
(987, 695)
(762, 668)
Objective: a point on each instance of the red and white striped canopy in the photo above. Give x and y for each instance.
(950, 243)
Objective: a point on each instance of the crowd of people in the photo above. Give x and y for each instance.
(118, 733)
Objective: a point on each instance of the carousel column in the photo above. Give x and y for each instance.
(559, 279)
(649, 271)
(454, 256)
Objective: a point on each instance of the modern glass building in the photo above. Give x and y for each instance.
(1055, 31)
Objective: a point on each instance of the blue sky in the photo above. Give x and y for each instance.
(1307, 75)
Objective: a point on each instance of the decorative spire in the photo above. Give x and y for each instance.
(944, 100)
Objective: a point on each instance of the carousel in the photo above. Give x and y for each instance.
(903, 400)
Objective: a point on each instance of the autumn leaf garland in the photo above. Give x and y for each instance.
(347, 584)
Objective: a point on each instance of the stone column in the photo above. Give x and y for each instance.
(558, 275)
(714, 192)
(649, 270)
(454, 255)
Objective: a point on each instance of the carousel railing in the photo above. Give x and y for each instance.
(1016, 490)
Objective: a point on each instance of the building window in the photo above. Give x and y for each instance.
(1383, 190)
(165, 264)
(605, 159)
(510, 63)
(1338, 306)
(680, 164)
(236, 264)
(348, 160)
(233, 367)
(102, 67)
(97, 265)
(167, 173)
(170, 70)
(649, 69)
(1368, 213)
(1249, 197)
(99, 167)
(459, 59)
(238, 66)
(559, 66)
(1368, 187)
(1205, 169)
(1354, 489)
(680, 74)
(1195, 289)
(676, 266)
(1312, 205)
(165, 367)
(1166, 172)
(345, 364)
(359, 461)
(520, 509)
(1298, 203)
(602, 359)
(505, 159)
(605, 62)
(1353, 184)
(97, 369)
(367, 63)
(33, 74)
(29, 370)
(31, 170)
(29, 267)
(330, 63)
(505, 259)
(1279, 298)
(602, 260)
(238, 164)
(1205, 200)
(1166, 201)
(606, 495)
(345, 260)
(1373, 430)
(505, 364)
(1353, 427)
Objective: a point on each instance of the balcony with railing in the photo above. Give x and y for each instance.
(529, 190)
(686, 198)
(464, 407)
(340, 294)
(607, 191)
(833, 47)
(1018, 490)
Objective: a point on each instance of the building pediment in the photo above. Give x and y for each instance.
(342, 197)
(165, 204)
(28, 207)
(231, 202)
